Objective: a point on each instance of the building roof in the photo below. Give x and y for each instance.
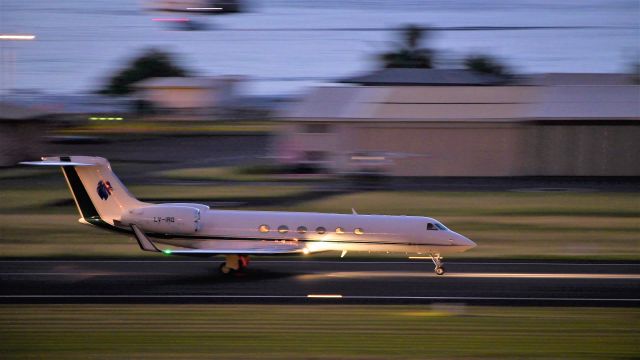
(409, 76)
(185, 82)
(467, 103)
(588, 102)
(9, 111)
(409, 103)
(69, 103)
(552, 79)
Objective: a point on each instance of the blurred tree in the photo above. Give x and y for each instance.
(486, 64)
(409, 54)
(152, 63)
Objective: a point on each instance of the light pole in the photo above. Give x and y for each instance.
(9, 59)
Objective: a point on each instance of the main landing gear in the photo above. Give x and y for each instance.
(234, 264)
(437, 261)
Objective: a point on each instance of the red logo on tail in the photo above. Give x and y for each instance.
(104, 189)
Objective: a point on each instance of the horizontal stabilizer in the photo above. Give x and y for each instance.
(54, 163)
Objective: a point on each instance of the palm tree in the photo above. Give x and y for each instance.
(409, 54)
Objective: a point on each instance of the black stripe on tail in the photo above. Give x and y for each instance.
(85, 205)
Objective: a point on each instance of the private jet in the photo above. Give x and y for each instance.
(196, 230)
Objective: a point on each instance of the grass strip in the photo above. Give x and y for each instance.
(171, 128)
(317, 332)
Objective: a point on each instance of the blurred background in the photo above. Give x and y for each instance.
(515, 123)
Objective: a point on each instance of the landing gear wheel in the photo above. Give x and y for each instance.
(437, 261)
(225, 270)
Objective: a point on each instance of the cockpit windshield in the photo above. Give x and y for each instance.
(435, 226)
(441, 227)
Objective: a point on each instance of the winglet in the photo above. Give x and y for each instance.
(143, 240)
(353, 211)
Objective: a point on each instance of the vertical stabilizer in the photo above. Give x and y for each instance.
(97, 191)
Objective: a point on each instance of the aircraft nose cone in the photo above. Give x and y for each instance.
(463, 241)
(470, 243)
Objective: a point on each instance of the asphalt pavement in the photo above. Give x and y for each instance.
(293, 280)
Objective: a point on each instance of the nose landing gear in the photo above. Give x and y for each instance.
(437, 261)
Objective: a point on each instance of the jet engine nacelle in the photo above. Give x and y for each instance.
(164, 219)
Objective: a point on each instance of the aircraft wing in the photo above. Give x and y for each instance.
(256, 250)
(259, 248)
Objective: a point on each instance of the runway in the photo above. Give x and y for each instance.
(321, 281)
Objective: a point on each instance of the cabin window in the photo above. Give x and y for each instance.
(302, 229)
(339, 230)
(263, 228)
(283, 229)
(321, 230)
(358, 231)
(430, 226)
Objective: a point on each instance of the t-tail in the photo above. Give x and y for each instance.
(98, 193)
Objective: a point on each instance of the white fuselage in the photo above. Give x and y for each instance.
(104, 201)
(322, 232)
